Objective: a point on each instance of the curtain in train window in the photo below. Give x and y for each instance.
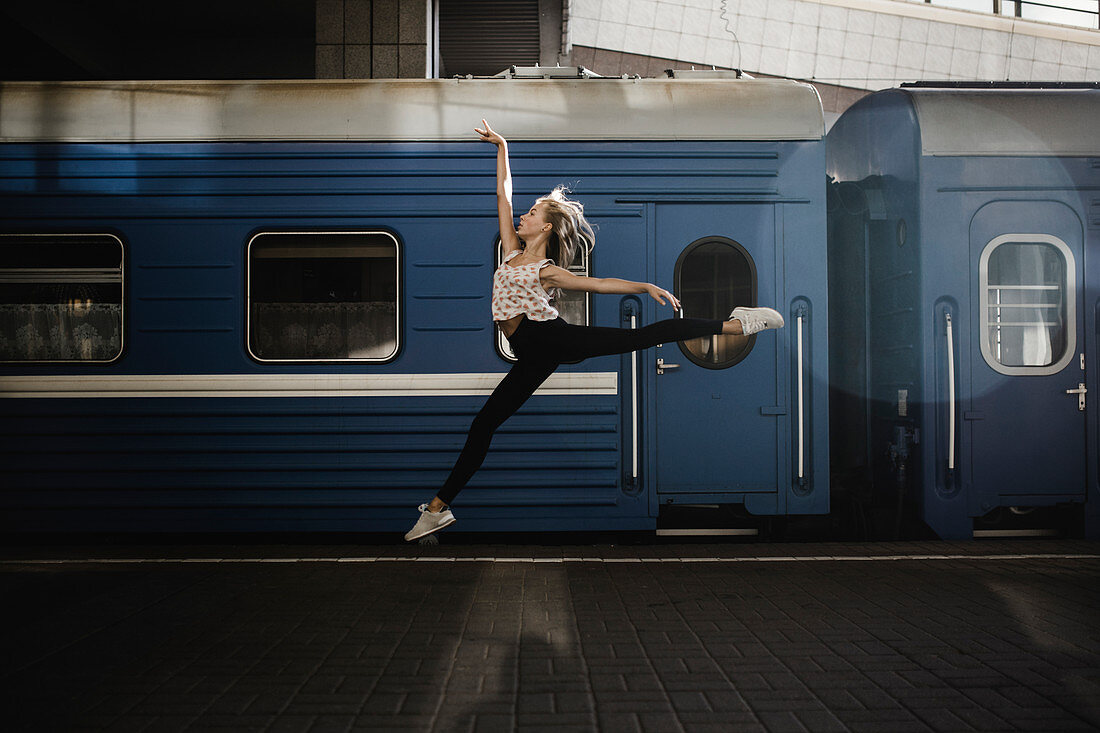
(328, 296)
(60, 297)
(573, 305)
(1027, 304)
(713, 276)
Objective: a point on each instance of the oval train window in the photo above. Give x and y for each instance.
(713, 276)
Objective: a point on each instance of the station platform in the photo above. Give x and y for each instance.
(914, 636)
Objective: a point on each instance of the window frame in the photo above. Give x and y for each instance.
(121, 297)
(1070, 295)
(753, 290)
(502, 345)
(397, 297)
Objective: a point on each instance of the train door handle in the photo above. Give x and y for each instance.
(950, 394)
(801, 407)
(1080, 392)
(634, 406)
(661, 366)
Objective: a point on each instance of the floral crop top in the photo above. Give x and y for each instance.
(518, 290)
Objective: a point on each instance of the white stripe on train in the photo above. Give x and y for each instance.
(292, 385)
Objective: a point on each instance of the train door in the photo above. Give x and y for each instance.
(716, 398)
(1027, 425)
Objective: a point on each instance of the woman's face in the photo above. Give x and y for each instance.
(532, 223)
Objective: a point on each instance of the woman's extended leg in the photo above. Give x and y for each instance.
(583, 342)
(520, 383)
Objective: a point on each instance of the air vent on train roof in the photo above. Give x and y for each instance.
(547, 72)
(710, 73)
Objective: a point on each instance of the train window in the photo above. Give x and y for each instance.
(573, 305)
(1028, 304)
(60, 297)
(323, 296)
(714, 275)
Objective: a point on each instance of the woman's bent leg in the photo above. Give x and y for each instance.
(583, 342)
(519, 384)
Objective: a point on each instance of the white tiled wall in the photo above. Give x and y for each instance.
(869, 44)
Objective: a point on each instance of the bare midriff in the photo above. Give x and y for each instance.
(509, 327)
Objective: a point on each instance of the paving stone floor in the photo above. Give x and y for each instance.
(802, 637)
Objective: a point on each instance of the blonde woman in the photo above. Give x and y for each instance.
(537, 255)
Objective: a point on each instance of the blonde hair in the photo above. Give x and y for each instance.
(571, 232)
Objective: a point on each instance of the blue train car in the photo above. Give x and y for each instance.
(964, 288)
(265, 305)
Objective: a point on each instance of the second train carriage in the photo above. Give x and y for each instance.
(964, 232)
(265, 305)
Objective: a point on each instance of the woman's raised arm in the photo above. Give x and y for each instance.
(508, 237)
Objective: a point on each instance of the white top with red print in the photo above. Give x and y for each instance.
(518, 290)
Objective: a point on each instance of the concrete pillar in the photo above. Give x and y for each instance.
(551, 33)
(372, 39)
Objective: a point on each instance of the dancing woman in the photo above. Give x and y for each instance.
(537, 255)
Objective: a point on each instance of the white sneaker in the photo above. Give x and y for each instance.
(430, 522)
(756, 319)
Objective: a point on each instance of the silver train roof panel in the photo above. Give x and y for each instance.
(1008, 122)
(409, 110)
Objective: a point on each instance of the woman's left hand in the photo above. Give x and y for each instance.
(659, 295)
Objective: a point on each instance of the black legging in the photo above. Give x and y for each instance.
(540, 346)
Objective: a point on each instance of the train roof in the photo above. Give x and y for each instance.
(1064, 122)
(396, 110)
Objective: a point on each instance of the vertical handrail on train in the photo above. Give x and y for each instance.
(950, 395)
(801, 413)
(634, 405)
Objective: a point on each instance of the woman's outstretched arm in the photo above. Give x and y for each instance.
(556, 277)
(508, 236)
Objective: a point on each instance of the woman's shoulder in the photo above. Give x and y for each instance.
(549, 273)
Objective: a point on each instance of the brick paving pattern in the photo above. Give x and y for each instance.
(799, 645)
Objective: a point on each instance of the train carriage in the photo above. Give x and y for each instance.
(964, 229)
(264, 306)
